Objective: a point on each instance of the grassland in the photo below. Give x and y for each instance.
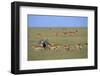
(56, 35)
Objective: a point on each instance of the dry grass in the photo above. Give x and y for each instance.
(68, 44)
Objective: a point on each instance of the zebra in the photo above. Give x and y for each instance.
(44, 43)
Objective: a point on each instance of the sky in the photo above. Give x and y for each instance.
(57, 21)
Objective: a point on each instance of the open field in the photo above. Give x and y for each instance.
(72, 43)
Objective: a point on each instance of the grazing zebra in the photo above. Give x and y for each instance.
(44, 43)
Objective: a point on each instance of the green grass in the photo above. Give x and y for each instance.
(61, 39)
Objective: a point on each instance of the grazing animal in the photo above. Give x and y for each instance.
(67, 47)
(53, 46)
(44, 43)
(37, 47)
(71, 33)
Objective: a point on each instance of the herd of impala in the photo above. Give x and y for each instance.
(55, 46)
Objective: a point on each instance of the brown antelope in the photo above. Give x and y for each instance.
(71, 33)
(37, 47)
(67, 47)
(53, 46)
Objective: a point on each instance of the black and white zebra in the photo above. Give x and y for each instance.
(44, 43)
